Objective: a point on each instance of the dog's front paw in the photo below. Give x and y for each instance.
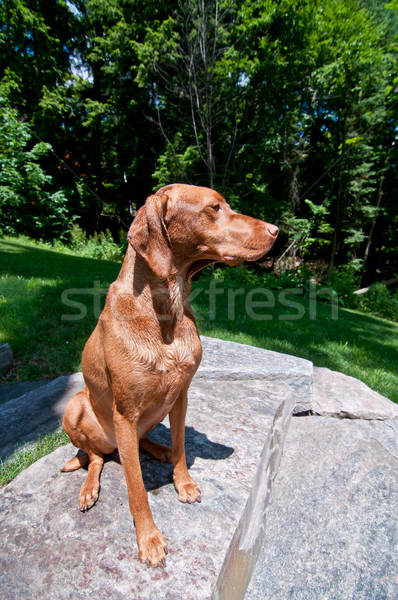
(187, 490)
(152, 548)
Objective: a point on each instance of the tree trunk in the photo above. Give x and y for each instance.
(335, 241)
(380, 194)
(97, 129)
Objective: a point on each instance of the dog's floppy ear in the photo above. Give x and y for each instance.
(148, 236)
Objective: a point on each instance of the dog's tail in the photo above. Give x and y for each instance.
(80, 460)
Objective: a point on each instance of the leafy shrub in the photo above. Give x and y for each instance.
(100, 245)
(344, 281)
(298, 277)
(379, 301)
(286, 278)
(241, 275)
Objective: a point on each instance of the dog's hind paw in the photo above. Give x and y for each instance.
(80, 460)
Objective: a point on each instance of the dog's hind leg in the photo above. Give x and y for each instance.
(85, 432)
(158, 451)
(89, 491)
(78, 461)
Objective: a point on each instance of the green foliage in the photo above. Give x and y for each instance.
(287, 108)
(27, 203)
(238, 275)
(379, 301)
(297, 278)
(321, 231)
(296, 229)
(100, 245)
(175, 165)
(344, 281)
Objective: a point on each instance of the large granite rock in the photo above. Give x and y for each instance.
(332, 530)
(338, 395)
(6, 357)
(236, 423)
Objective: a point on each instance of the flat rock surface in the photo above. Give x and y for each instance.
(332, 529)
(338, 395)
(232, 361)
(234, 437)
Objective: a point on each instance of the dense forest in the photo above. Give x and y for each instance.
(289, 108)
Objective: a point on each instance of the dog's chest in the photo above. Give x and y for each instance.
(167, 367)
(177, 362)
(165, 375)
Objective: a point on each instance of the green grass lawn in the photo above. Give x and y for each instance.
(50, 301)
(33, 313)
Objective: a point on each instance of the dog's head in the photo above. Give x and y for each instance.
(186, 227)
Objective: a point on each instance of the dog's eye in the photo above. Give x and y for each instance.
(215, 207)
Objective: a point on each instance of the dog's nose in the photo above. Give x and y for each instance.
(273, 230)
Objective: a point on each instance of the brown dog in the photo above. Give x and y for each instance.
(143, 353)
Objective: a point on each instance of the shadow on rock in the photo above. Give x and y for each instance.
(197, 445)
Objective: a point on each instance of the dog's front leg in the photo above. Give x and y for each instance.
(151, 544)
(186, 487)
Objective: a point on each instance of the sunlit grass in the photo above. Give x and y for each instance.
(32, 280)
(26, 455)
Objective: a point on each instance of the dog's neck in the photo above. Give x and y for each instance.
(168, 298)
